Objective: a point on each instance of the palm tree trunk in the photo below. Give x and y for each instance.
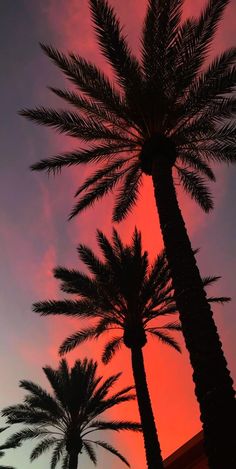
(213, 384)
(73, 460)
(151, 443)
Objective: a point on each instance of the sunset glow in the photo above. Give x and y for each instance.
(35, 236)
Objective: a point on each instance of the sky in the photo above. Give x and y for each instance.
(35, 235)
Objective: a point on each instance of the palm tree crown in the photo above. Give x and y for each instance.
(124, 292)
(166, 104)
(65, 420)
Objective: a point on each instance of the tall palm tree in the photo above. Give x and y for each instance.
(2, 452)
(65, 419)
(170, 117)
(128, 296)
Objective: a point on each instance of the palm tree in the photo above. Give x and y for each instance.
(168, 117)
(127, 295)
(65, 419)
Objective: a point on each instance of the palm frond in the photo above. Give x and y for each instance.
(24, 413)
(110, 402)
(89, 107)
(65, 462)
(93, 154)
(112, 450)
(128, 193)
(180, 59)
(116, 425)
(70, 123)
(58, 384)
(195, 186)
(111, 348)
(199, 35)
(76, 339)
(118, 245)
(43, 446)
(57, 454)
(124, 391)
(158, 277)
(113, 44)
(99, 190)
(94, 264)
(210, 279)
(74, 281)
(109, 169)
(97, 86)
(17, 438)
(219, 151)
(195, 131)
(165, 310)
(221, 146)
(40, 399)
(222, 108)
(225, 133)
(160, 28)
(219, 299)
(209, 20)
(172, 326)
(149, 39)
(97, 401)
(212, 84)
(89, 79)
(76, 308)
(106, 247)
(164, 337)
(88, 447)
(193, 159)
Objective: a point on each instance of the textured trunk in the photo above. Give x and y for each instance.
(213, 384)
(151, 443)
(73, 460)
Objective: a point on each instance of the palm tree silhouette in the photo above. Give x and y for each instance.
(127, 295)
(163, 116)
(2, 452)
(65, 419)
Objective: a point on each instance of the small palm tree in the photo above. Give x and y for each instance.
(128, 296)
(65, 420)
(170, 118)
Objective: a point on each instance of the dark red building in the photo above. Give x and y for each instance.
(189, 456)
